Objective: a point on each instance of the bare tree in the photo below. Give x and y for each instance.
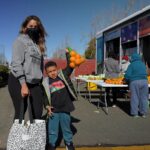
(60, 50)
(130, 7)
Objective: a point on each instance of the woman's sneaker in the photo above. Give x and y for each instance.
(70, 146)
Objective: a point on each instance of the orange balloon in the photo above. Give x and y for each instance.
(72, 65)
(72, 59)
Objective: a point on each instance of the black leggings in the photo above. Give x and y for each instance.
(36, 97)
(114, 94)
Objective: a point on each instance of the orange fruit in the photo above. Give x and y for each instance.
(82, 59)
(78, 56)
(72, 65)
(72, 58)
(78, 61)
(72, 53)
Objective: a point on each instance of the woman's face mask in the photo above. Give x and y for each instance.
(33, 33)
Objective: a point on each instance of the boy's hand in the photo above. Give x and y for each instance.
(49, 110)
(67, 51)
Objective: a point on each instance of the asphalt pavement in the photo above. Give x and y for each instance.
(91, 126)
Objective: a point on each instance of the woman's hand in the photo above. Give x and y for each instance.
(24, 90)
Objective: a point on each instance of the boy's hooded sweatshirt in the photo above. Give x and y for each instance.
(63, 75)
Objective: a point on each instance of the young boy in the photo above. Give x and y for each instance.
(60, 93)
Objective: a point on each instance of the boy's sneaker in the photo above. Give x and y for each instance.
(50, 147)
(70, 146)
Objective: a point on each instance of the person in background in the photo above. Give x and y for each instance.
(26, 67)
(148, 73)
(60, 93)
(136, 75)
(148, 68)
(124, 64)
(112, 70)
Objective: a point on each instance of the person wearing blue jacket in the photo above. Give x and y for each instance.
(136, 75)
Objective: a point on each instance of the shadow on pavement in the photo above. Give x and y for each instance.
(74, 130)
(95, 99)
(2, 85)
(125, 106)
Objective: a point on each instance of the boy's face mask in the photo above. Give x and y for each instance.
(33, 34)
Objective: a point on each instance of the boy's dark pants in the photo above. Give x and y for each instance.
(64, 119)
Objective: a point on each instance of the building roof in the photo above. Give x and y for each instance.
(124, 20)
(88, 67)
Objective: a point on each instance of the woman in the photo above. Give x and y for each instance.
(26, 67)
(112, 70)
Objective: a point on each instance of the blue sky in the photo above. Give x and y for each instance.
(62, 19)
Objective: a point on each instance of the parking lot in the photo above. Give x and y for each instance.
(91, 126)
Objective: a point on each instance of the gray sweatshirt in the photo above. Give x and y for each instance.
(26, 60)
(112, 69)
